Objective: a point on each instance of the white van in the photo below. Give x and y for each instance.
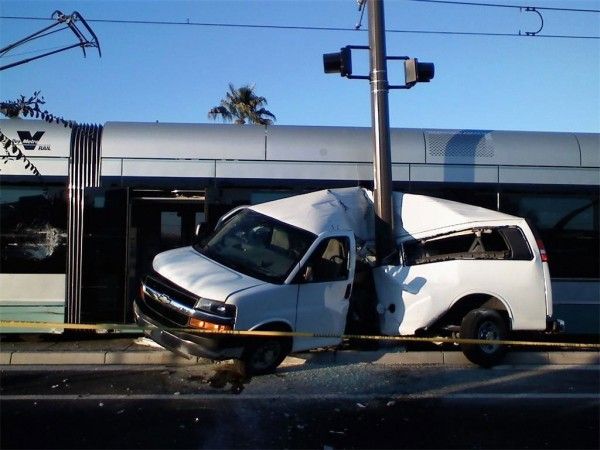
(289, 265)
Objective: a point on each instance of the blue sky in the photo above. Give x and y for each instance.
(177, 73)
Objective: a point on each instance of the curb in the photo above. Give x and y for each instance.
(383, 357)
(451, 358)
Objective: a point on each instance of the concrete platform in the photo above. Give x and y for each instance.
(136, 350)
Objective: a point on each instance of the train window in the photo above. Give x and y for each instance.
(170, 228)
(568, 226)
(33, 229)
(483, 195)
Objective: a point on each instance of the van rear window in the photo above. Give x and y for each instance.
(505, 243)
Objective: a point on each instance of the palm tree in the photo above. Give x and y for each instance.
(242, 106)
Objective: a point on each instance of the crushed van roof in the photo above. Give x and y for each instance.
(351, 209)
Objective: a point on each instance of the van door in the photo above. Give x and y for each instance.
(324, 287)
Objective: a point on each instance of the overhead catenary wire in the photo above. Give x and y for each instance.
(306, 28)
(48, 33)
(528, 8)
(30, 52)
(503, 5)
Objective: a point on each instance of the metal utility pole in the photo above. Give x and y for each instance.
(382, 161)
(414, 72)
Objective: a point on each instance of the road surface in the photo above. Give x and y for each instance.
(335, 406)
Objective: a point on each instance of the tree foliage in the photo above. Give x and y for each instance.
(31, 107)
(25, 107)
(242, 105)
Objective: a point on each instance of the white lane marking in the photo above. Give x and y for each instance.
(457, 389)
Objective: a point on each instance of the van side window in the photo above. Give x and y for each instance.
(506, 243)
(518, 244)
(329, 262)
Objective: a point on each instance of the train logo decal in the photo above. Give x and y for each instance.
(30, 142)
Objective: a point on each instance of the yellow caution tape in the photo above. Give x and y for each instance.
(133, 327)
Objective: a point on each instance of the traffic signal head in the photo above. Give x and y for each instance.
(338, 62)
(417, 72)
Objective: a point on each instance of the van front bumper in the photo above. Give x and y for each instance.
(184, 343)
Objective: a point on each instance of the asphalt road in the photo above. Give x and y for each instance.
(343, 406)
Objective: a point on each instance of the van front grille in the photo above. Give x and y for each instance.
(164, 286)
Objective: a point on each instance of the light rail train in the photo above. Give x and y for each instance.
(76, 238)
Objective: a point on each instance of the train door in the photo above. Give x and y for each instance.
(159, 221)
(104, 256)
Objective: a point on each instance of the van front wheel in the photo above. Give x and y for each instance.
(264, 356)
(484, 324)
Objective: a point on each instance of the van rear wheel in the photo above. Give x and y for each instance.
(484, 324)
(264, 355)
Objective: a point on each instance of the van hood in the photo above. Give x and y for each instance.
(200, 275)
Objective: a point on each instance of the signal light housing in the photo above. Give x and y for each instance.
(414, 71)
(340, 62)
(418, 72)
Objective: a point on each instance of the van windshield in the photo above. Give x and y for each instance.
(257, 245)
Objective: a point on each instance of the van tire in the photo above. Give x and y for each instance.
(484, 323)
(263, 356)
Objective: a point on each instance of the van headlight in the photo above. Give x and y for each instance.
(214, 307)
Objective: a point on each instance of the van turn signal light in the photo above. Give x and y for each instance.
(203, 325)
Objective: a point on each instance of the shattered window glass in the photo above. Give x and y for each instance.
(33, 229)
(485, 243)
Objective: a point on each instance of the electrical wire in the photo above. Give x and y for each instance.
(306, 28)
(490, 34)
(33, 38)
(498, 5)
(30, 52)
(198, 24)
